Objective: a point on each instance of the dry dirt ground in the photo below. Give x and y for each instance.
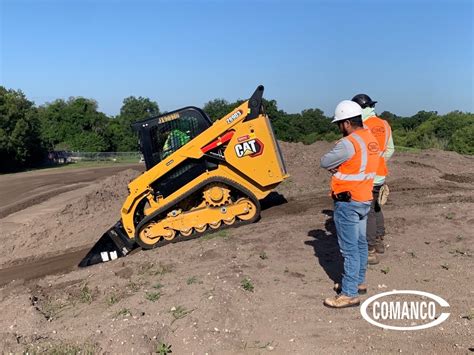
(256, 289)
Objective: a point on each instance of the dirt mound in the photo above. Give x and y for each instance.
(302, 162)
(74, 226)
(106, 192)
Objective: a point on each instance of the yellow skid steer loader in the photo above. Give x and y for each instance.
(200, 177)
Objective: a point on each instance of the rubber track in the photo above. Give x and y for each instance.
(194, 235)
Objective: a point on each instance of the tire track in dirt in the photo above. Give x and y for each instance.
(62, 263)
(23, 190)
(21, 205)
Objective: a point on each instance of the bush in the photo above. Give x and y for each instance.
(462, 140)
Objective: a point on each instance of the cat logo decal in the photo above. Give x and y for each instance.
(251, 148)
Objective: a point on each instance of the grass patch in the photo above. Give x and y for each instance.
(124, 312)
(247, 284)
(263, 255)
(163, 348)
(162, 269)
(218, 234)
(260, 345)
(152, 269)
(112, 299)
(385, 270)
(51, 309)
(450, 215)
(133, 286)
(191, 280)
(85, 295)
(158, 286)
(153, 296)
(179, 313)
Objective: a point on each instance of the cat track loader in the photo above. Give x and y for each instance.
(200, 177)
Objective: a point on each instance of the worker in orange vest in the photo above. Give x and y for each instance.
(353, 162)
(383, 133)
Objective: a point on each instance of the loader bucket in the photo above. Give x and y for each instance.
(112, 245)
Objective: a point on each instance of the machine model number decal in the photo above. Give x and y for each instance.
(234, 117)
(251, 148)
(167, 118)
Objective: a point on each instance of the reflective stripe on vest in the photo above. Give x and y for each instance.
(354, 177)
(363, 164)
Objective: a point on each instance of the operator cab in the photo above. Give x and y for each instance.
(161, 136)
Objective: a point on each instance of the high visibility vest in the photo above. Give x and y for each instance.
(356, 175)
(381, 131)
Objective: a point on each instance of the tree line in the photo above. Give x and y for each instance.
(28, 132)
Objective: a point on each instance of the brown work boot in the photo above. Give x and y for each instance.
(372, 258)
(342, 301)
(361, 289)
(379, 246)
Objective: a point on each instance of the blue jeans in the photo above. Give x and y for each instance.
(350, 219)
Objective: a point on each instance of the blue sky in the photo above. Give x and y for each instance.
(409, 55)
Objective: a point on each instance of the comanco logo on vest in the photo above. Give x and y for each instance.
(404, 310)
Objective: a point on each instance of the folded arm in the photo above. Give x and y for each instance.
(342, 151)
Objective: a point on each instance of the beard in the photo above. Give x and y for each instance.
(343, 130)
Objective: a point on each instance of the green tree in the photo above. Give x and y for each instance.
(218, 108)
(20, 142)
(134, 109)
(282, 122)
(75, 124)
(387, 115)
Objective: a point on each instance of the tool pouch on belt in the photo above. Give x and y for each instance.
(342, 196)
(383, 195)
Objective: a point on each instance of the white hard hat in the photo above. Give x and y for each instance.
(346, 109)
